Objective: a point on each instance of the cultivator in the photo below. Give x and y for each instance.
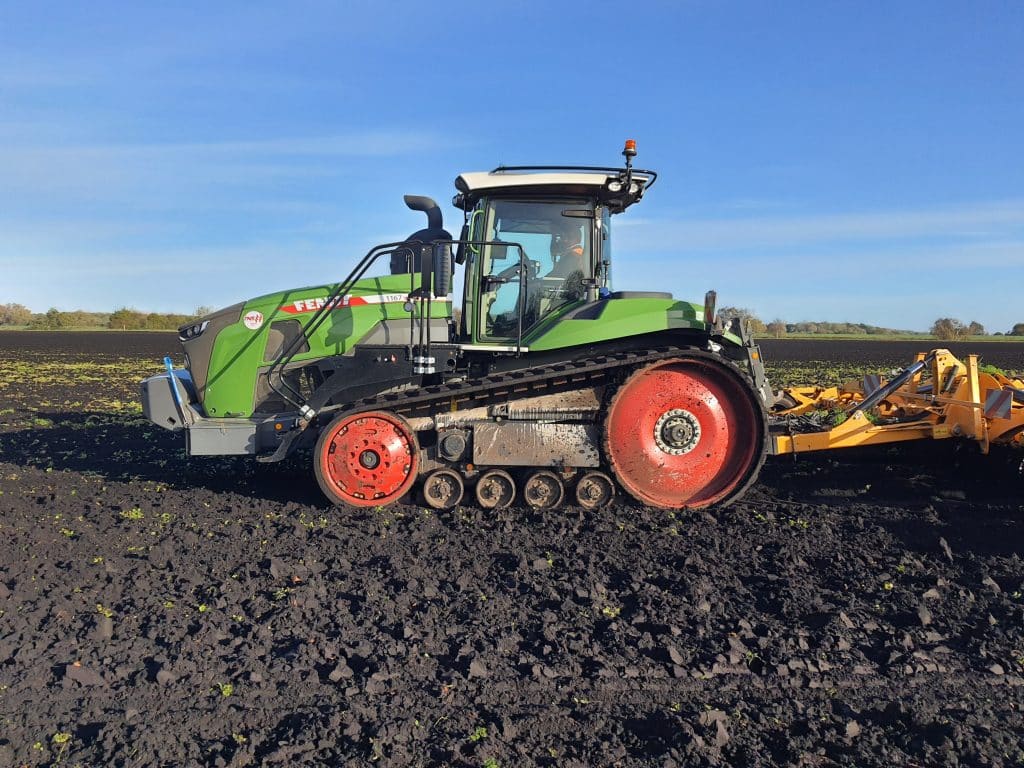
(549, 387)
(937, 397)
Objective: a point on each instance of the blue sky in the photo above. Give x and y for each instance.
(833, 161)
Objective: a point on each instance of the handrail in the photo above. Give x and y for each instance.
(653, 175)
(286, 355)
(281, 387)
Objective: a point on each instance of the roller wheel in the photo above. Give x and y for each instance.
(366, 459)
(594, 491)
(543, 490)
(443, 489)
(495, 489)
(687, 432)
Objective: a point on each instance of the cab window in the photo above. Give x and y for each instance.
(557, 256)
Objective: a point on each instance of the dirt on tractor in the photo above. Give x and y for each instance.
(863, 607)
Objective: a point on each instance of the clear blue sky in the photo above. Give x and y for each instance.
(818, 161)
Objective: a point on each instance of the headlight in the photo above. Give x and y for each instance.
(192, 331)
(615, 186)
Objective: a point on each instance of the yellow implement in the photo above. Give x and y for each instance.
(937, 397)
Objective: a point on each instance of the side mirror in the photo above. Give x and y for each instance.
(442, 269)
(461, 251)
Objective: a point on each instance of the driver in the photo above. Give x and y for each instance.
(567, 252)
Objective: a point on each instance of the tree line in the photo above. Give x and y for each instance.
(945, 328)
(952, 329)
(123, 319)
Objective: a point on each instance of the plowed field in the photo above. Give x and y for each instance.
(860, 608)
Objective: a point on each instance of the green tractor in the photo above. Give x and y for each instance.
(548, 384)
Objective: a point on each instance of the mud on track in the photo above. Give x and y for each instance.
(854, 609)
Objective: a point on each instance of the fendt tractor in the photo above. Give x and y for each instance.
(547, 384)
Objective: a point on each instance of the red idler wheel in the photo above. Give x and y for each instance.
(366, 459)
(686, 432)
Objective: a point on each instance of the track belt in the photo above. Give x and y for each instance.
(524, 382)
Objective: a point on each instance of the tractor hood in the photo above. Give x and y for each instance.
(227, 350)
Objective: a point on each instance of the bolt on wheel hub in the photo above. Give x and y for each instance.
(677, 432)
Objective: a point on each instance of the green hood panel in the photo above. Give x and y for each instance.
(243, 348)
(614, 319)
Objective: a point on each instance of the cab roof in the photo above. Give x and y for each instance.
(610, 186)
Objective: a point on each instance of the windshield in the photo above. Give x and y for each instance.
(558, 258)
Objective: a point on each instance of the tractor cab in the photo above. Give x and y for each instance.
(536, 243)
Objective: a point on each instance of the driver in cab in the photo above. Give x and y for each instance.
(567, 254)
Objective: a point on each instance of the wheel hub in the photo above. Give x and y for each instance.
(677, 432)
(369, 459)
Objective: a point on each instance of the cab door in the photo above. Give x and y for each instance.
(522, 272)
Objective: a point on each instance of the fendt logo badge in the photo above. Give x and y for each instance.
(253, 320)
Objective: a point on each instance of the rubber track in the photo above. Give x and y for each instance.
(525, 382)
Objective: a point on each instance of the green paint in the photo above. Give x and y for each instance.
(239, 352)
(618, 319)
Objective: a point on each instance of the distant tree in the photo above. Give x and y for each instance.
(54, 318)
(125, 319)
(949, 329)
(202, 311)
(754, 323)
(156, 321)
(15, 314)
(777, 328)
(974, 328)
(1018, 330)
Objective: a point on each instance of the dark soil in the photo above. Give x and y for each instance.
(860, 608)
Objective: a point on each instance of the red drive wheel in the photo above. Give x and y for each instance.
(366, 459)
(687, 432)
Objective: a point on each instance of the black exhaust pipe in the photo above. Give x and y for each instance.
(435, 219)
